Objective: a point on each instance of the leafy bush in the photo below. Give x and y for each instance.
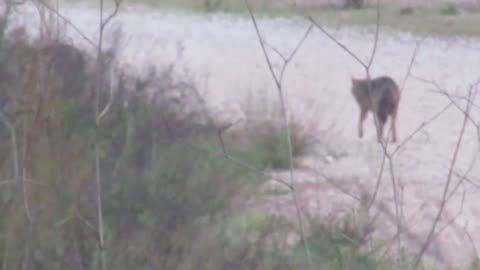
(449, 9)
(333, 250)
(212, 5)
(266, 134)
(161, 186)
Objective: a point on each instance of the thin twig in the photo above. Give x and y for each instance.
(278, 83)
(445, 190)
(69, 22)
(24, 175)
(421, 127)
(99, 207)
(453, 219)
(467, 179)
(275, 50)
(265, 54)
(407, 75)
(89, 226)
(383, 144)
(367, 67)
(107, 107)
(294, 52)
(113, 14)
(470, 238)
(445, 93)
(341, 45)
(410, 65)
(98, 115)
(377, 185)
(463, 178)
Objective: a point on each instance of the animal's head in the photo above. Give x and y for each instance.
(355, 83)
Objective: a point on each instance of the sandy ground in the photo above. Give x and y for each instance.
(223, 55)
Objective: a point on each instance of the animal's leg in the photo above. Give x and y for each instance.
(394, 127)
(363, 116)
(379, 124)
(380, 131)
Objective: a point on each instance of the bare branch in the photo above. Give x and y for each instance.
(98, 115)
(89, 226)
(275, 50)
(69, 22)
(267, 59)
(106, 109)
(470, 238)
(410, 65)
(294, 52)
(463, 178)
(288, 59)
(467, 179)
(445, 93)
(299, 44)
(341, 45)
(422, 126)
(383, 144)
(453, 219)
(278, 83)
(445, 190)
(377, 185)
(113, 14)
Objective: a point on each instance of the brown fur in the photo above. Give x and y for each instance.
(382, 100)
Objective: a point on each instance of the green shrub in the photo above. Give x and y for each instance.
(162, 186)
(336, 251)
(264, 131)
(449, 9)
(273, 149)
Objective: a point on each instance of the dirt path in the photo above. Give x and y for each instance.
(223, 55)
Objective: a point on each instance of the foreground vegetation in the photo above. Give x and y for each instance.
(163, 197)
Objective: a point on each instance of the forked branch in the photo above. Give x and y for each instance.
(279, 87)
(446, 186)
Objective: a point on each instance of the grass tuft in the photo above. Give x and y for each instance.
(265, 131)
(449, 9)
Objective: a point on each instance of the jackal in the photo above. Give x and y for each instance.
(380, 96)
